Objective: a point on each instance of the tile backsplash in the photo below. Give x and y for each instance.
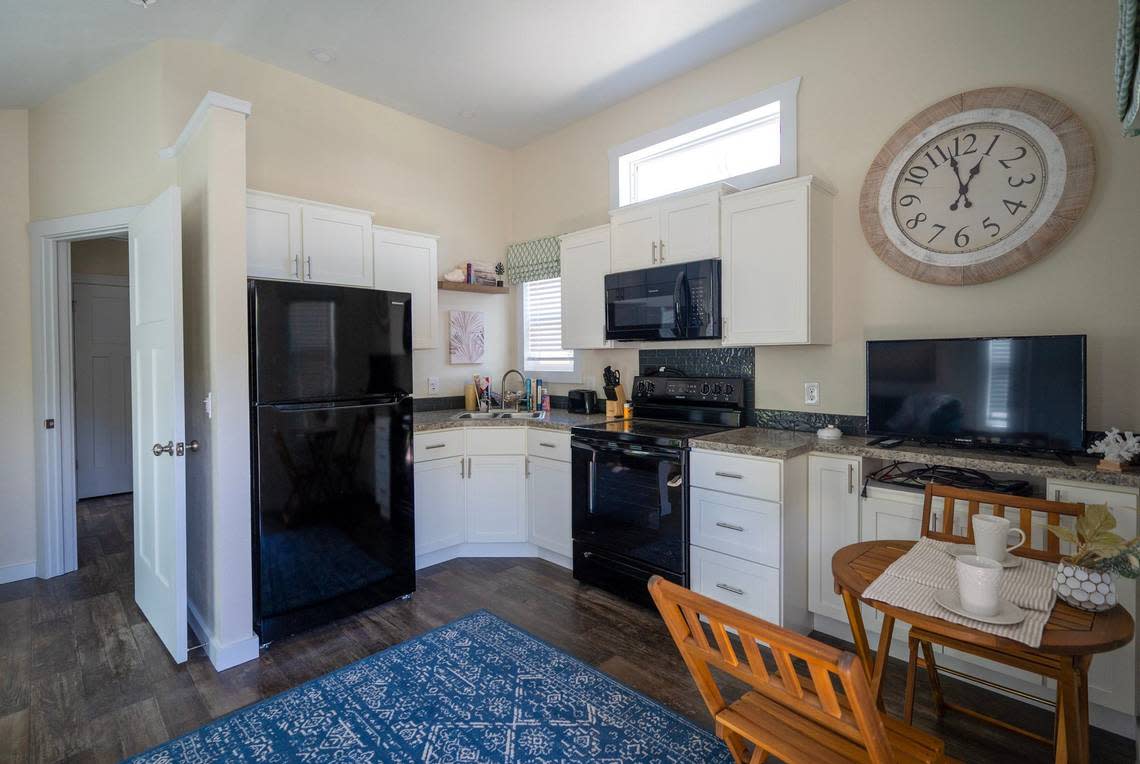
(708, 362)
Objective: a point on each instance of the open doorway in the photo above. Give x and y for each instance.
(101, 369)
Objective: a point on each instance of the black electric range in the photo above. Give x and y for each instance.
(630, 482)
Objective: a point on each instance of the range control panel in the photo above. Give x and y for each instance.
(692, 390)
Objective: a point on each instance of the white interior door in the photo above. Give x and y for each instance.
(159, 421)
(102, 331)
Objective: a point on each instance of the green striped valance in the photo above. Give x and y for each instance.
(1127, 66)
(534, 260)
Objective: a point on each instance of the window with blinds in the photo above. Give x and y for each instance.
(542, 328)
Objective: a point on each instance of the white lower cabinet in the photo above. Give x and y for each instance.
(833, 523)
(440, 515)
(548, 501)
(749, 586)
(496, 498)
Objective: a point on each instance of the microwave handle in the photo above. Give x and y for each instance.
(680, 324)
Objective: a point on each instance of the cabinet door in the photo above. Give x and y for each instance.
(1112, 676)
(272, 237)
(337, 245)
(548, 499)
(439, 504)
(833, 523)
(764, 285)
(585, 263)
(407, 262)
(496, 498)
(634, 237)
(690, 228)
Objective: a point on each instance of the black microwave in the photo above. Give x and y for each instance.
(670, 302)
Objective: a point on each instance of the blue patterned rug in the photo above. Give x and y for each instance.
(476, 690)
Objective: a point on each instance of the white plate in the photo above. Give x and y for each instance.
(961, 550)
(1007, 614)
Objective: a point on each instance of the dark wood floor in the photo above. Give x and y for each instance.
(84, 678)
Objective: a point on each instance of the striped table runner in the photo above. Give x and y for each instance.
(911, 581)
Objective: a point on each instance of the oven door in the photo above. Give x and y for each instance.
(630, 500)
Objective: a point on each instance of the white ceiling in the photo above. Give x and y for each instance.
(503, 71)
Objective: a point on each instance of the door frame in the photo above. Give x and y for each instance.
(53, 378)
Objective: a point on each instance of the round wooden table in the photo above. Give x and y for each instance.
(1070, 639)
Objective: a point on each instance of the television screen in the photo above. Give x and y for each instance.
(1023, 392)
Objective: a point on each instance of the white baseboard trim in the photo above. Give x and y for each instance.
(499, 549)
(17, 571)
(227, 655)
(1103, 718)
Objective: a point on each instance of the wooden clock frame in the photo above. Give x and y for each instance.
(1080, 160)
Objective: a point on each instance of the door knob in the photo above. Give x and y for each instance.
(193, 445)
(158, 449)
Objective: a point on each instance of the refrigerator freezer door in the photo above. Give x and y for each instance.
(334, 520)
(311, 342)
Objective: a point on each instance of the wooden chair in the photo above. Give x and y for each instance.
(1045, 665)
(827, 716)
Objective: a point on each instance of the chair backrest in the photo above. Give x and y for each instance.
(852, 714)
(1001, 503)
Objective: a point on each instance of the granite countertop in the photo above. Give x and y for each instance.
(785, 444)
(426, 421)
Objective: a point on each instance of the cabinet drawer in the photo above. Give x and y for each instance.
(496, 440)
(757, 478)
(735, 525)
(437, 444)
(548, 444)
(745, 585)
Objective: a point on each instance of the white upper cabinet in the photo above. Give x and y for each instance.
(669, 230)
(337, 245)
(273, 236)
(404, 261)
(585, 263)
(776, 248)
(298, 240)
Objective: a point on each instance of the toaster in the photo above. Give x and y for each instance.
(583, 401)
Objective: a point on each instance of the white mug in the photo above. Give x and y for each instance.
(990, 536)
(978, 581)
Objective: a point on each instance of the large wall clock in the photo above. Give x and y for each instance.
(977, 186)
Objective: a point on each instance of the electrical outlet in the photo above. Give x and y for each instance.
(433, 385)
(811, 393)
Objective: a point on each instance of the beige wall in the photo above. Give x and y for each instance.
(17, 466)
(101, 257)
(309, 140)
(867, 67)
(211, 173)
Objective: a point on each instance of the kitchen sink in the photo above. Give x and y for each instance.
(501, 415)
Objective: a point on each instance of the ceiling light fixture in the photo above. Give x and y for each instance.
(468, 114)
(142, 3)
(322, 55)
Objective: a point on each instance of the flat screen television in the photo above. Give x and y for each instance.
(1003, 392)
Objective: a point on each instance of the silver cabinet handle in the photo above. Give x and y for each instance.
(469, 472)
(462, 474)
(1057, 495)
(434, 445)
(309, 265)
(654, 252)
(297, 265)
(732, 475)
(661, 251)
(728, 588)
(547, 445)
(850, 478)
(527, 467)
(730, 526)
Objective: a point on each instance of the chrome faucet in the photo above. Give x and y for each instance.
(515, 396)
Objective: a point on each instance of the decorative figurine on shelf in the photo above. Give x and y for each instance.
(1084, 578)
(499, 271)
(1118, 448)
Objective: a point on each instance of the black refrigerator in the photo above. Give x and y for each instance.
(331, 425)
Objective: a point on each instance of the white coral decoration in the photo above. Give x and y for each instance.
(1117, 446)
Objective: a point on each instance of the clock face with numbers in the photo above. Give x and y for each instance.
(977, 186)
